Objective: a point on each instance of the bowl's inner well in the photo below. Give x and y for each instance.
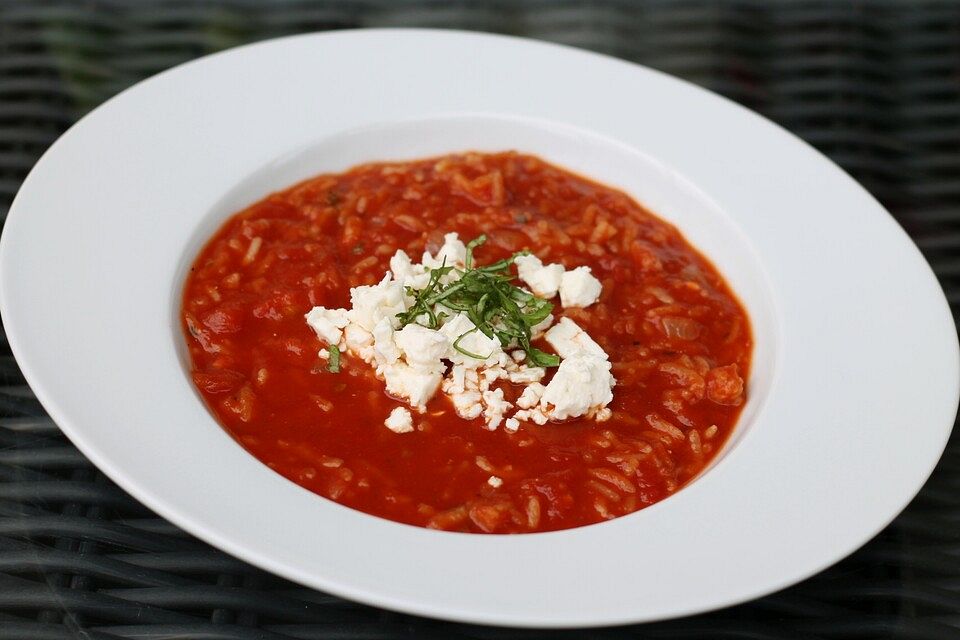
(658, 188)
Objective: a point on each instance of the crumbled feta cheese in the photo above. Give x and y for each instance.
(359, 341)
(401, 266)
(527, 375)
(455, 382)
(467, 404)
(404, 271)
(578, 288)
(328, 323)
(356, 337)
(422, 347)
(537, 330)
(473, 341)
(492, 374)
(383, 342)
(323, 354)
(496, 406)
(417, 281)
(495, 482)
(415, 385)
(413, 361)
(453, 250)
(371, 303)
(452, 253)
(581, 385)
(569, 340)
(399, 421)
(471, 378)
(532, 415)
(544, 281)
(531, 396)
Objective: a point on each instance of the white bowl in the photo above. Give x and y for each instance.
(855, 377)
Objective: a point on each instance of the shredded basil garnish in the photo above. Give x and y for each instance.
(456, 345)
(489, 298)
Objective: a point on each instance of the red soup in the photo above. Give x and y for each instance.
(673, 336)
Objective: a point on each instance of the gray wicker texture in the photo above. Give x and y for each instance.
(875, 86)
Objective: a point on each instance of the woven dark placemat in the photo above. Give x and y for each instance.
(876, 86)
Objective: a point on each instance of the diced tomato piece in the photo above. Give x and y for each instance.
(274, 209)
(725, 386)
(224, 320)
(484, 190)
(489, 516)
(282, 304)
(220, 381)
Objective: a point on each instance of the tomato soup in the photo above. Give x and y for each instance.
(677, 342)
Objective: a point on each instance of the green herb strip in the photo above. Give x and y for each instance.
(456, 345)
(333, 366)
(487, 296)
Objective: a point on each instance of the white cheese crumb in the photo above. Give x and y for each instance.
(468, 404)
(417, 281)
(537, 330)
(531, 396)
(496, 407)
(399, 421)
(511, 425)
(569, 340)
(401, 266)
(323, 354)
(580, 386)
(383, 342)
(328, 324)
(422, 347)
(356, 337)
(544, 281)
(416, 386)
(359, 341)
(492, 374)
(452, 253)
(471, 378)
(578, 288)
(495, 482)
(473, 341)
(456, 380)
(527, 375)
(371, 303)
(533, 415)
(404, 271)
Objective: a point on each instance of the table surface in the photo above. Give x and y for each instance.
(875, 86)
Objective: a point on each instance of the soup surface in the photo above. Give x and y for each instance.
(675, 339)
